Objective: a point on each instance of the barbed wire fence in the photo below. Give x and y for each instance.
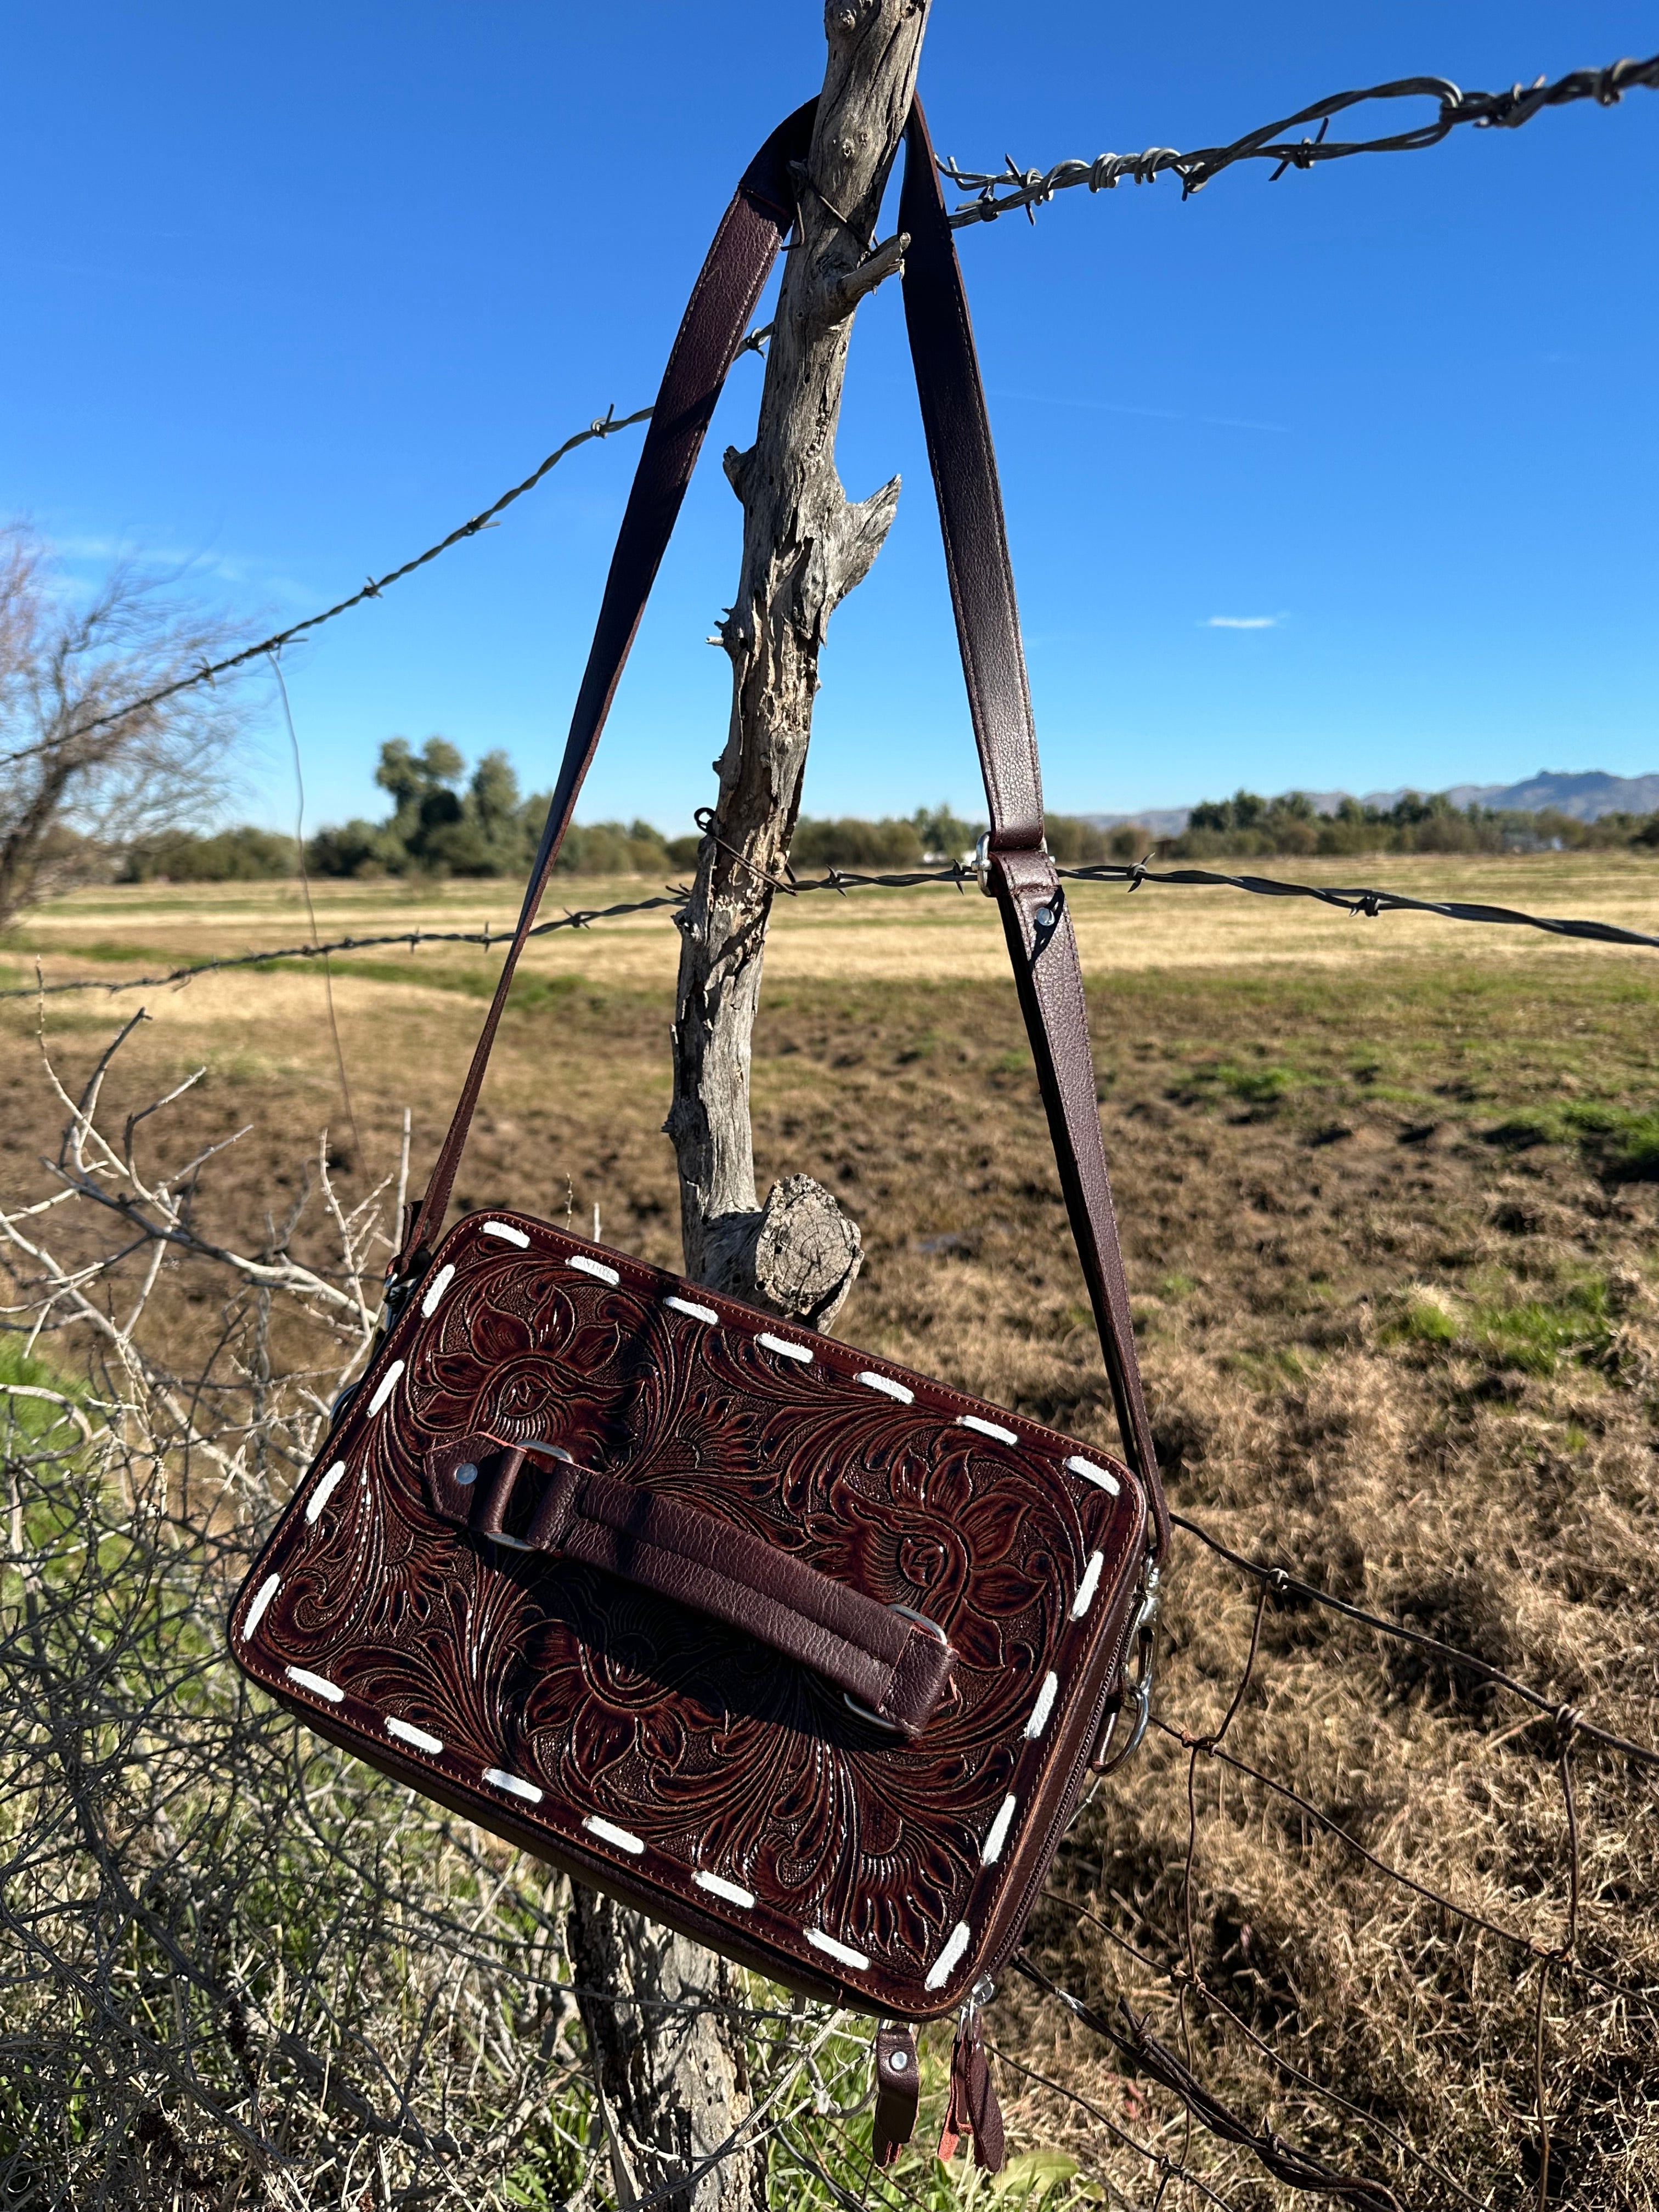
(1009, 189)
(1370, 903)
(114, 1937)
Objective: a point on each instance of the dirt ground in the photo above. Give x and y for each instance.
(1389, 1192)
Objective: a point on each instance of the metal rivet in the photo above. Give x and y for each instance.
(466, 1472)
(898, 2061)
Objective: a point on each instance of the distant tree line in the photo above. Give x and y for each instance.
(444, 823)
(1248, 824)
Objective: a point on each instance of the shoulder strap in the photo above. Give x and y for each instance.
(1019, 872)
(712, 329)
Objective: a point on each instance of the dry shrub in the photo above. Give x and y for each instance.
(239, 1968)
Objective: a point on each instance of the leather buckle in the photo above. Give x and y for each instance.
(921, 1621)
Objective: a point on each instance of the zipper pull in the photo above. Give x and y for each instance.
(972, 2109)
(898, 2086)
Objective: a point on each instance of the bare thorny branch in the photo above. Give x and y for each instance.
(234, 1965)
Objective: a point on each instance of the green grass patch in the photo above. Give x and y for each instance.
(1622, 1142)
(1533, 1334)
(531, 993)
(113, 950)
(1426, 1316)
(1260, 1086)
(25, 1415)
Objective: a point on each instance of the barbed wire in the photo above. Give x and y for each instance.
(1371, 902)
(1004, 191)
(1179, 1976)
(1133, 2040)
(1282, 1584)
(1128, 2031)
(603, 425)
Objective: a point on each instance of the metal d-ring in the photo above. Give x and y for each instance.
(864, 1711)
(1138, 1690)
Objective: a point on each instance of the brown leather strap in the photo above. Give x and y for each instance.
(1035, 919)
(899, 2092)
(711, 330)
(1043, 949)
(894, 1666)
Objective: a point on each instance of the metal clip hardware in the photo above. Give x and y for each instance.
(982, 864)
(1138, 1688)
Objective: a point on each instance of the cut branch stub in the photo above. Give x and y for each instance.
(800, 1253)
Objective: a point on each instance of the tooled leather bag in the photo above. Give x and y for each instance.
(800, 1652)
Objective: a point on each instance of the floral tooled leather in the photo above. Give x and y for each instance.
(725, 1772)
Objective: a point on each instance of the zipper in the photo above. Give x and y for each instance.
(1145, 1592)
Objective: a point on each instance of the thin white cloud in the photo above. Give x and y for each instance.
(1244, 622)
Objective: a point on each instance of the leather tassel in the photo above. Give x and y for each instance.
(972, 2109)
(898, 2086)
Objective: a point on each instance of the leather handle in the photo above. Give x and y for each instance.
(894, 1667)
(1022, 876)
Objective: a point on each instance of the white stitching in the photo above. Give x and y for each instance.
(262, 1597)
(440, 1283)
(514, 1784)
(1098, 1475)
(608, 1832)
(843, 1952)
(506, 1233)
(1043, 1707)
(991, 1849)
(326, 1488)
(955, 1946)
(781, 1344)
(717, 1885)
(888, 1388)
(593, 1267)
(406, 1732)
(987, 1429)
(696, 1312)
(387, 1384)
(319, 1683)
(1089, 1585)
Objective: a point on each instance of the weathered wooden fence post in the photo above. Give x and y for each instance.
(672, 2080)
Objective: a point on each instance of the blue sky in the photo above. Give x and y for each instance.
(290, 291)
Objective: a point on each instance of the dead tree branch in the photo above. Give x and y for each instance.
(806, 546)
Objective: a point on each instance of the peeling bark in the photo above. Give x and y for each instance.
(806, 546)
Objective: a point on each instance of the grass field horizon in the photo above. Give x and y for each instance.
(1389, 1193)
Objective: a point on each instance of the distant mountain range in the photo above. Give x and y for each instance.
(1584, 797)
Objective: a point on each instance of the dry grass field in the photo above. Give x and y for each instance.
(1389, 1192)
